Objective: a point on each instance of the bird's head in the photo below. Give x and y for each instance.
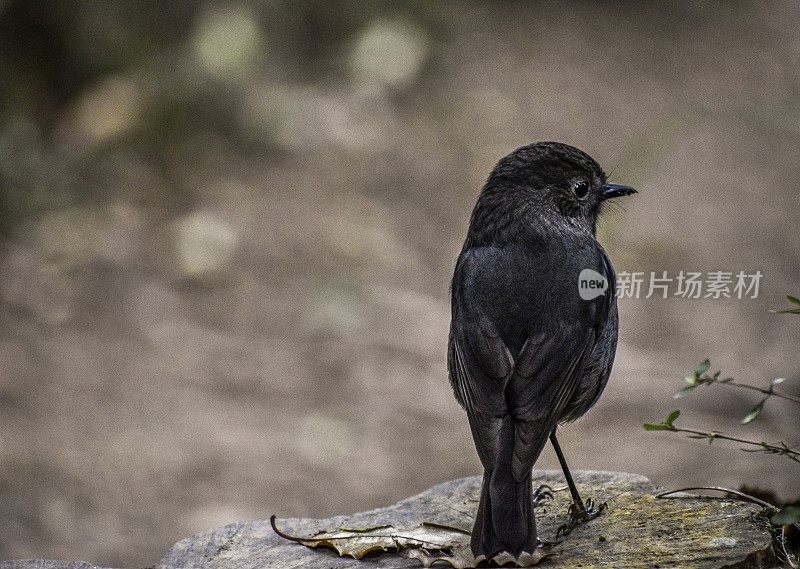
(554, 181)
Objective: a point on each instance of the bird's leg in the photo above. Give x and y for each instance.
(578, 512)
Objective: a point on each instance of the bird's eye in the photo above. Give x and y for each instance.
(581, 189)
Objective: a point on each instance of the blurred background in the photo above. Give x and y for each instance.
(227, 231)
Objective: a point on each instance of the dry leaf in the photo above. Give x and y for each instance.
(427, 543)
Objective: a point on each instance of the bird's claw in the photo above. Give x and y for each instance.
(565, 529)
(541, 494)
(590, 512)
(541, 544)
(579, 515)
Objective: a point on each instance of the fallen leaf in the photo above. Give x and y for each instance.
(427, 543)
(357, 542)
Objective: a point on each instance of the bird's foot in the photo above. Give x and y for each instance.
(590, 512)
(578, 514)
(542, 494)
(541, 544)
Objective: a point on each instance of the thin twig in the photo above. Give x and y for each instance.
(766, 447)
(779, 394)
(742, 495)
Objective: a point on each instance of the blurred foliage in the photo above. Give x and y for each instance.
(83, 79)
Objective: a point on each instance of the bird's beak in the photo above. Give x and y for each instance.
(616, 190)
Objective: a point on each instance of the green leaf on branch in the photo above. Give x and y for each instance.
(671, 418)
(793, 300)
(754, 412)
(683, 392)
(666, 425)
(655, 427)
(786, 515)
(702, 367)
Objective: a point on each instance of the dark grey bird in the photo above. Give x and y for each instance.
(527, 351)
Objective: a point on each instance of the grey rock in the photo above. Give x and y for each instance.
(637, 531)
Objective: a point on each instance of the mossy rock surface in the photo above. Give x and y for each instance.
(636, 531)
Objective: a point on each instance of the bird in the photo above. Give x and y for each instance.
(527, 351)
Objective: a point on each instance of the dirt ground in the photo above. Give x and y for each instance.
(226, 254)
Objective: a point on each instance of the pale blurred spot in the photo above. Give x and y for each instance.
(323, 440)
(109, 109)
(227, 41)
(336, 310)
(304, 118)
(389, 53)
(205, 244)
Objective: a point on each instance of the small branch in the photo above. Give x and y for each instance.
(742, 495)
(770, 391)
(781, 449)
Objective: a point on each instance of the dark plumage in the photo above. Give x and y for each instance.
(526, 352)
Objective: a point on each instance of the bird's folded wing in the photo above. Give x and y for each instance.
(535, 388)
(479, 368)
(546, 373)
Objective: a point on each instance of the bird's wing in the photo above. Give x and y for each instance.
(546, 373)
(534, 389)
(479, 365)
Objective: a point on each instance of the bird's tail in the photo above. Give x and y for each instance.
(505, 520)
